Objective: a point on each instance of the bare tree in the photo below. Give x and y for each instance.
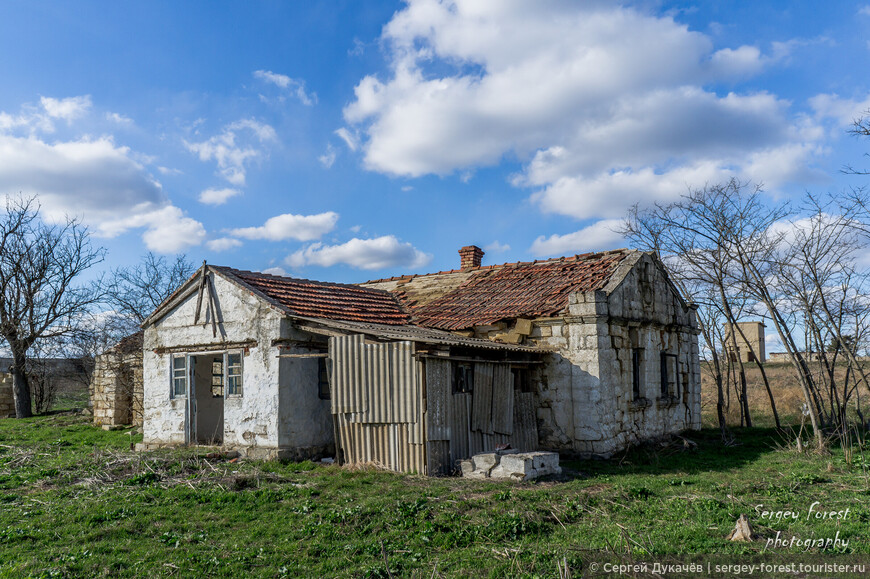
(40, 297)
(136, 291)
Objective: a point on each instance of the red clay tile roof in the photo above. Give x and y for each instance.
(318, 299)
(530, 289)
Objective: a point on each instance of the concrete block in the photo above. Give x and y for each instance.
(485, 461)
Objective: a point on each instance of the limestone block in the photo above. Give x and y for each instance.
(523, 327)
(485, 461)
(517, 463)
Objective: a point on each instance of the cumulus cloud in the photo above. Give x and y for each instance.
(94, 179)
(292, 86)
(601, 235)
(167, 229)
(223, 244)
(237, 146)
(289, 226)
(217, 196)
(593, 95)
(67, 109)
(370, 254)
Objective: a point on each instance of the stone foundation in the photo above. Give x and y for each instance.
(313, 453)
(511, 465)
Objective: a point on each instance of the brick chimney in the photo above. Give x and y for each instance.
(471, 256)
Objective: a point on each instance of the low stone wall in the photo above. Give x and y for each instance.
(511, 465)
(7, 399)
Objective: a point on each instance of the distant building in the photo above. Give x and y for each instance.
(750, 342)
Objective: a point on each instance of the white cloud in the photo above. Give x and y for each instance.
(496, 247)
(279, 271)
(168, 230)
(350, 139)
(289, 226)
(328, 158)
(599, 236)
(217, 196)
(843, 111)
(223, 244)
(119, 119)
(293, 86)
(377, 253)
(238, 145)
(67, 109)
(864, 10)
(597, 96)
(103, 184)
(169, 171)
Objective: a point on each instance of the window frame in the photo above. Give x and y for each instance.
(669, 383)
(463, 378)
(637, 382)
(174, 377)
(232, 389)
(323, 373)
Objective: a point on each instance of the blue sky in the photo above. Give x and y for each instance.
(349, 141)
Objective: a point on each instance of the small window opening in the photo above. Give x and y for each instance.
(322, 379)
(522, 380)
(637, 373)
(217, 377)
(234, 374)
(463, 378)
(669, 375)
(179, 376)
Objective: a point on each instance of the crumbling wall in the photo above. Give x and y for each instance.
(246, 324)
(586, 402)
(117, 388)
(7, 399)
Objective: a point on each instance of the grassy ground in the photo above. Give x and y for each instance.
(75, 501)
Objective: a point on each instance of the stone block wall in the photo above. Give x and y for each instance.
(117, 389)
(7, 400)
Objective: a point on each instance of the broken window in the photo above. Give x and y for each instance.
(234, 374)
(522, 380)
(669, 375)
(637, 373)
(322, 379)
(217, 377)
(463, 378)
(179, 376)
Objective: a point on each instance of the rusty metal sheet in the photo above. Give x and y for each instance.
(481, 415)
(502, 400)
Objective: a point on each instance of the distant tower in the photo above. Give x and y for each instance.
(750, 349)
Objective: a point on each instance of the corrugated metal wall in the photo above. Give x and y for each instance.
(493, 414)
(401, 413)
(377, 403)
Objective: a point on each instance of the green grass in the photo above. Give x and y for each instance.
(76, 502)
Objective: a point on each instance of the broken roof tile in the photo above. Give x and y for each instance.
(318, 299)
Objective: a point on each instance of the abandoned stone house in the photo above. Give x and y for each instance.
(583, 355)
